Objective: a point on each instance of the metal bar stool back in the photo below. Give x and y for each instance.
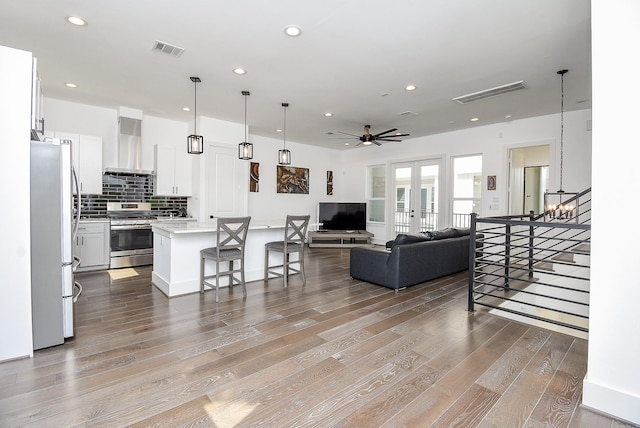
(230, 242)
(295, 233)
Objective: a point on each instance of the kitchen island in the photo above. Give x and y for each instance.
(176, 253)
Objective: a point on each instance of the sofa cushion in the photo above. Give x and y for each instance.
(444, 234)
(463, 231)
(409, 238)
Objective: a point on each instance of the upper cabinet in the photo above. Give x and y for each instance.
(173, 171)
(37, 115)
(86, 151)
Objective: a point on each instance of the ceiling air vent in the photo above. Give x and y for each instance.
(165, 48)
(487, 93)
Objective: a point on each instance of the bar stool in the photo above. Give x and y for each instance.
(295, 232)
(230, 241)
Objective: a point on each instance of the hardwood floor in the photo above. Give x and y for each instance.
(335, 352)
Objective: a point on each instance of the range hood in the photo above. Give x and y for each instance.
(129, 148)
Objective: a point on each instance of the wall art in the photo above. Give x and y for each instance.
(329, 182)
(254, 177)
(491, 182)
(291, 179)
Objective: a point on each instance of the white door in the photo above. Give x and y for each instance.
(416, 187)
(227, 182)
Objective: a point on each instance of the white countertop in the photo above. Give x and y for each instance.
(94, 220)
(190, 227)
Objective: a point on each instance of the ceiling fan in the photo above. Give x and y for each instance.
(368, 138)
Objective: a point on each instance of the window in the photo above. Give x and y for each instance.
(467, 189)
(376, 178)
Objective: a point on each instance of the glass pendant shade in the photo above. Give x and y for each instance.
(195, 144)
(284, 157)
(245, 151)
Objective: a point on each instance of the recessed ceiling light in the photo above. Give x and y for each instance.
(70, 85)
(186, 109)
(346, 144)
(76, 20)
(410, 88)
(278, 130)
(292, 30)
(508, 116)
(328, 114)
(239, 70)
(474, 119)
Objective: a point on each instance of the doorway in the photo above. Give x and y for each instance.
(536, 179)
(416, 196)
(528, 178)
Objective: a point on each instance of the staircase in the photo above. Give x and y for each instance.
(533, 270)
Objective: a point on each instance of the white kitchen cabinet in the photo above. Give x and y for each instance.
(173, 171)
(92, 245)
(37, 116)
(90, 164)
(86, 151)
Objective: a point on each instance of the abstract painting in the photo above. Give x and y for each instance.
(291, 179)
(254, 177)
(329, 182)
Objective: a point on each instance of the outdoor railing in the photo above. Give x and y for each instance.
(428, 220)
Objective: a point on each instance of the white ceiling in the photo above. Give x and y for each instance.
(353, 59)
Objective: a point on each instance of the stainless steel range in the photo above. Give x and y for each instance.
(131, 235)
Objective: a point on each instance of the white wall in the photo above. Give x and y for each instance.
(268, 204)
(65, 116)
(612, 384)
(15, 251)
(493, 142)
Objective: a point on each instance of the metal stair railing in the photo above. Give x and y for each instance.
(531, 268)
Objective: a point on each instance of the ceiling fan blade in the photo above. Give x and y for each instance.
(346, 133)
(376, 143)
(399, 135)
(387, 139)
(385, 132)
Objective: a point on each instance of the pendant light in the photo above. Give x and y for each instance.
(195, 142)
(245, 149)
(284, 155)
(561, 205)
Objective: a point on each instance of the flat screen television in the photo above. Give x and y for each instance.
(342, 215)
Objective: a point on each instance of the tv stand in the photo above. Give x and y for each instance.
(339, 238)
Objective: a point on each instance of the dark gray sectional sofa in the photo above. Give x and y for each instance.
(412, 259)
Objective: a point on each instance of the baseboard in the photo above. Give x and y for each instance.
(619, 404)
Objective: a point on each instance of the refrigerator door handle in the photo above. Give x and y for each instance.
(77, 285)
(78, 211)
(76, 262)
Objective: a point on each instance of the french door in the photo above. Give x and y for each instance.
(416, 187)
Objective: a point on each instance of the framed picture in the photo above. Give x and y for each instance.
(291, 179)
(329, 182)
(254, 177)
(491, 182)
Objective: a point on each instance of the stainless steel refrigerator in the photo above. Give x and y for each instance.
(52, 228)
